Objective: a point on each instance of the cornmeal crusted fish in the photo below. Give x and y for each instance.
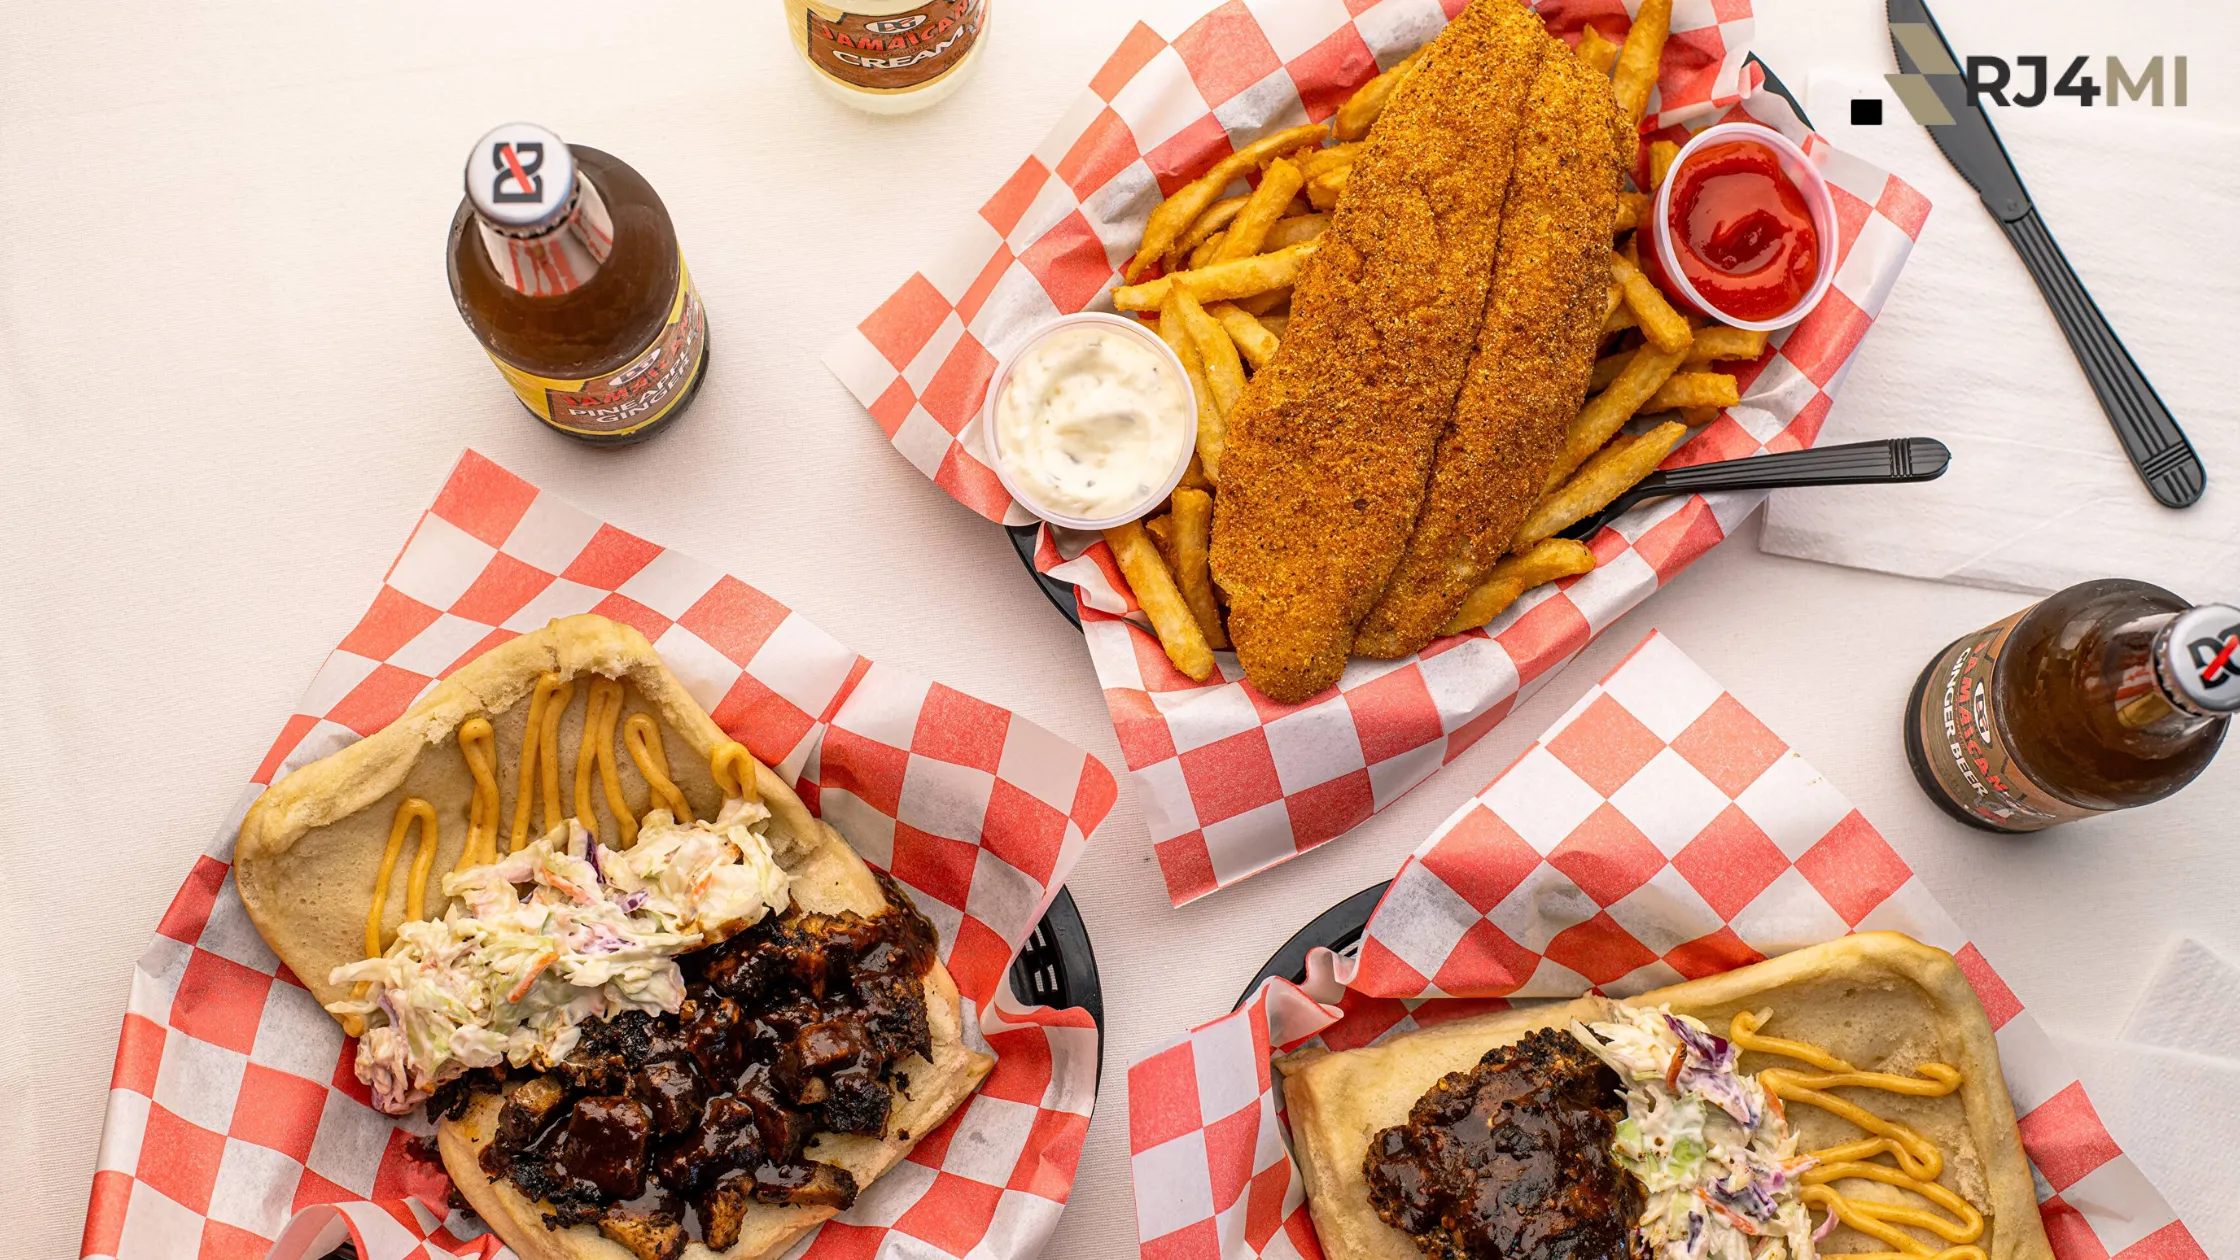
(1331, 449)
(1535, 354)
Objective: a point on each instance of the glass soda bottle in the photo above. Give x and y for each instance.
(564, 263)
(2109, 695)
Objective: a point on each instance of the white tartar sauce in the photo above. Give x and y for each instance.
(1092, 422)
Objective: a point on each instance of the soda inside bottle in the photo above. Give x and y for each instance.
(565, 264)
(2106, 696)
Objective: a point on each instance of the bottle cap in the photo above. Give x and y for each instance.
(2200, 658)
(520, 177)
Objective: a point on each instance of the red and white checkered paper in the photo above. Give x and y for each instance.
(1658, 832)
(235, 1118)
(1232, 782)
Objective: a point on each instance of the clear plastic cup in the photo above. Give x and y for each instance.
(1817, 198)
(991, 436)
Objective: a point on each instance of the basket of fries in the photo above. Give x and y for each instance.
(1202, 225)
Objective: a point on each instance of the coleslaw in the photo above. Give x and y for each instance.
(562, 931)
(1713, 1151)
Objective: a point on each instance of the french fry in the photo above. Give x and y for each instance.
(1323, 161)
(1697, 417)
(1665, 327)
(1661, 154)
(1221, 282)
(1224, 370)
(1193, 534)
(1636, 71)
(1596, 50)
(1611, 304)
(1175, 215)
(1609, 474)
(1362, 109)
(1619, 319)
(1297, 230)
(1208, 251)
(1606, 370)
(1277, 324)
(1253, 339)
(1216, 217)
(1264, 304)
(1553, 558)
(1630, 250)
(1248, 235)
(1175, 331)
(1694, 389)
(1325, 189)
(1194, 476)
(1160, 600)
(1633, 207)
(1161, 529)
(1608, 411)
(1721, 342)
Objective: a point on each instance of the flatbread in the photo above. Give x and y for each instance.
(1881, 1000)
(310, 849)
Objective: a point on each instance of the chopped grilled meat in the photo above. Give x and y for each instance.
(858, 1103)
(726, 1138)
(783, 1129)
(805, 1185)
(815, 1053)
(796, 1026)
(605, 1144)
(529, 1107)
(714, 1035)
(1510, 1160)
(648, 1235)
(672, 1093)
(722, 1209)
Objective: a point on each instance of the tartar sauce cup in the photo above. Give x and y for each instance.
(1102, 427)
(1801, 172)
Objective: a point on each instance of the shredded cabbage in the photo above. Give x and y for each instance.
(543, 939)
(1719, 1164)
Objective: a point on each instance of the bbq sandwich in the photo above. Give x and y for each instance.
(1842, 1100)
(657, 1008)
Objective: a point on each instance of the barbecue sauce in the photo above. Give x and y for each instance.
(2109, 695)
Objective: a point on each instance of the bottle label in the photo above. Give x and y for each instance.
(896, 52)
(1967, 751)
(633, 396)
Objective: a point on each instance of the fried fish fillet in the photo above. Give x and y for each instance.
(1535, 353)
(1331, 449)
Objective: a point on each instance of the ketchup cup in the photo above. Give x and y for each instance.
(1662, 264)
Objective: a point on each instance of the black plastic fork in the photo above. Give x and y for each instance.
(1853, 464)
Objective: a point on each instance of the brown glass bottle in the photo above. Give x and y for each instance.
(2109, 695)
(565, 265)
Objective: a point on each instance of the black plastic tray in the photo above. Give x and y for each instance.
(1060, 594)
(1338, 928)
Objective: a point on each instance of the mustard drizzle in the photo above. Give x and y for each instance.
(1919, 1161)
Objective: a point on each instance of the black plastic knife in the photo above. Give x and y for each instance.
(1887, 462)
(1932, 89)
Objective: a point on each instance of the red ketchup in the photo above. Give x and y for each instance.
(1742, 232)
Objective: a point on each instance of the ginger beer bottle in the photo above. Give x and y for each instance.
(564, 263)
(2108, 695)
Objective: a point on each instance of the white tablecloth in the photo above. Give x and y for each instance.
(231, 376)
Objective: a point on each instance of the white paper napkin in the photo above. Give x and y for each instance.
(2039, 496)
(2192, 1004)
(2161, 1105)
(2169, 1088)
